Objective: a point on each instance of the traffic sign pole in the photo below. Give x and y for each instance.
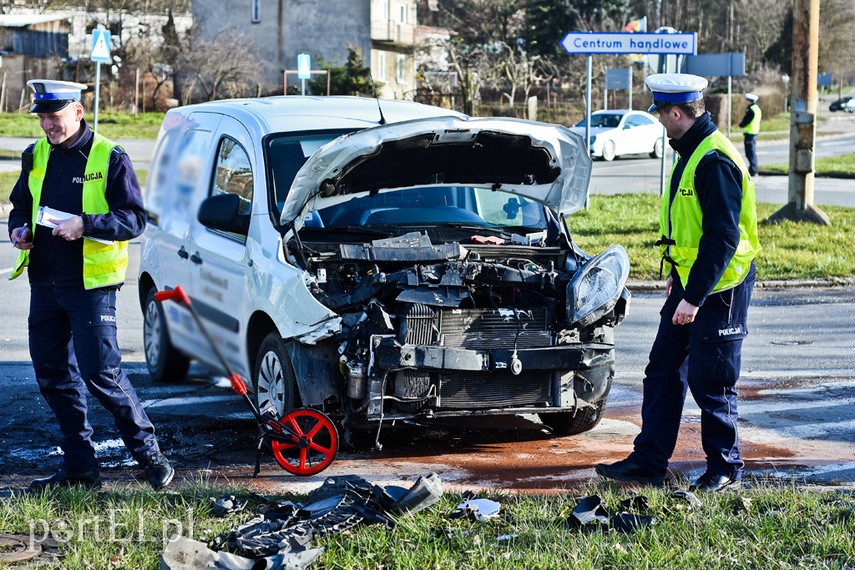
(100, 54)
(97, 92)
(304, 70)
(588, 43)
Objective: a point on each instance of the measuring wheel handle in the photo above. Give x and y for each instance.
(177, 294)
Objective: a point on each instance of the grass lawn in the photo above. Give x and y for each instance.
(775, 128)
(111, 125)
(842, 165)
(761, 527)
(790, 250)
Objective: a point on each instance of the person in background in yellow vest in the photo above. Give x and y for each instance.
(708, 226)
(76, 256)
(750, 125)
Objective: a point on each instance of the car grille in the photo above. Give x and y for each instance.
(480, 329)
(484, 329)
(479, 390)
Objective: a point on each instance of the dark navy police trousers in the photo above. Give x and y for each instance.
(704, 357)
(751, 153)
(73, 345)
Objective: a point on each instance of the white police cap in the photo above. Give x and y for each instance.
(52, 96)
(751, 97)
(668, 88)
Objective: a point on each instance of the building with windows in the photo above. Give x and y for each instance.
(30, 44)
(384, 31)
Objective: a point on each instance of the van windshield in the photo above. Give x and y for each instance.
(285, 154)
(432, 206)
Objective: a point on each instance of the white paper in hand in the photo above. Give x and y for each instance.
(50, 217)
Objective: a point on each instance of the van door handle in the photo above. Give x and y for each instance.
(183, 253)
(196, 258)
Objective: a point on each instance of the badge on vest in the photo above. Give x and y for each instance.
(88, 177)
(686, 192)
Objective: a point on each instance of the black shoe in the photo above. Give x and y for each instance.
(158, 471)
(63, 478)
(712, 482)
(628, 470)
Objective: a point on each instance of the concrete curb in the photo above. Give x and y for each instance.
(636, 286)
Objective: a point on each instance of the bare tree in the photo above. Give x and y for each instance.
(760, 24)
(512, 68)
(466, 60)
(836, 42)
(220, 67)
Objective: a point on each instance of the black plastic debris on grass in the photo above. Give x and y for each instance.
(589, 511)
(635, 503)
(183, 553)
(590, 515)
(226, 505)
(629, 522)
(286, 528)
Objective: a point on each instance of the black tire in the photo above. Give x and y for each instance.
(567, 423)
(273, 377)
(165, 363)
(657, 149)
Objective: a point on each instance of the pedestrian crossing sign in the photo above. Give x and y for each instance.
(304, 66)
(101, 46)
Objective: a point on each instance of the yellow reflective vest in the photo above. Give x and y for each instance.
(103, 264)
(753, 127)
(681, 220)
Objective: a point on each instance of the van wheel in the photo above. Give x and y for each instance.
(568, 423)
(657, 149)
(165, 363)
(273, 378)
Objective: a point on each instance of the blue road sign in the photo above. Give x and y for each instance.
(101, 46)
(304, 66)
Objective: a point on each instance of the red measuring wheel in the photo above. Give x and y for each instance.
(313, 445)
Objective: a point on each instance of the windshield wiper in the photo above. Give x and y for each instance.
(476, 228)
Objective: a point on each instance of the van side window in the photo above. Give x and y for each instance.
(233, 174)
(154, 192)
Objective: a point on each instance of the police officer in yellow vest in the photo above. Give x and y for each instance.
(750, 125)
(708, 226)
(76, 204)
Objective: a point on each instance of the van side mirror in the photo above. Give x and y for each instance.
(221, 212)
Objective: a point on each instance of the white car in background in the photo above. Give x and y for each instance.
(619, 132)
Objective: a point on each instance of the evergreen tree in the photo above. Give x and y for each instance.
(352, 78)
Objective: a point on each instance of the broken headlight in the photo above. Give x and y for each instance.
(596, 288)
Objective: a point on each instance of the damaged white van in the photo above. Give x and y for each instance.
(381, 260)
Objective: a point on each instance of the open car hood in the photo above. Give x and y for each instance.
(543, 162)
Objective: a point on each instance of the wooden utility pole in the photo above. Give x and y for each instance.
(800, 207)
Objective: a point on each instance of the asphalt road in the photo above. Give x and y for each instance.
(797, 395)
(797, 389)
(639, 173)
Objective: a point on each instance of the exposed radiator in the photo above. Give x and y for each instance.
(419, 327)
(483, 329)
